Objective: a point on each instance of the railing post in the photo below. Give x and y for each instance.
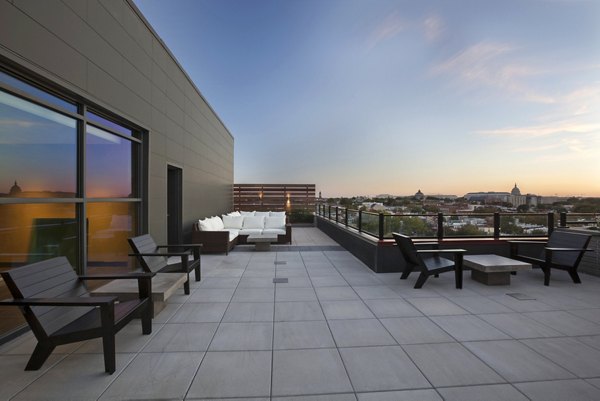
(337, 208)
(440, 226)
(381, 224)
(329, 212)
(563, 219)
(550, 222)
(496, 225)
(360, 221)
(346, 218)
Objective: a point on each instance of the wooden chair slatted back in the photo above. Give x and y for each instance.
(408, 249)
(561, 239)
(52, 278)
(145, 244)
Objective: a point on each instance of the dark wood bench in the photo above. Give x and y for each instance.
(563, 251)
(154, 260)
(59, 309)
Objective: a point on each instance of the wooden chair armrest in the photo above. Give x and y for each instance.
(161, 254)
(527, 242)
(568, 249)
(118, 276)
(441, 250)
(68, 301)
(180, 245)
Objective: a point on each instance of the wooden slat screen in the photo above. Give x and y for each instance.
(273, 197)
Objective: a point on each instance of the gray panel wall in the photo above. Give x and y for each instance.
(106, 52)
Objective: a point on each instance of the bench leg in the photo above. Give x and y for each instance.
(574, 276)
(197, 272)
(421, 280)
(108, 344)
(458, 277)
(186, 286)
(546, 271)
(146, 317)
(39, 356)
(406, 272)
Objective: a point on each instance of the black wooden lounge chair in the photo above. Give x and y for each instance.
(154, 260)
(563, 251)
(59, 310)
(428, 261)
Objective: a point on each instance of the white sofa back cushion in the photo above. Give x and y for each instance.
(234, 214)
(277, 214)
(217, 223)
(275, 222)
(263, 214)
(233, 222)
(247, 213)
(205, 224)
(254, 222)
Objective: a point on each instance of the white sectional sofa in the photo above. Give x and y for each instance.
(221, 234)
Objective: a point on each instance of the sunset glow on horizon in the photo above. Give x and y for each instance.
(389, 97)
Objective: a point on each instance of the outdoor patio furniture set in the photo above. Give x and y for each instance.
(221, 234)
(59, 308)
(563, 251)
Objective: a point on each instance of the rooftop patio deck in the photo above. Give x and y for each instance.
(336, 331)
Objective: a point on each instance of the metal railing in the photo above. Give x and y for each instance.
(459, 225)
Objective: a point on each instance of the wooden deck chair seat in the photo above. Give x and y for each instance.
(428, 261)
(59, 309)
(155, 258)
(564, 250)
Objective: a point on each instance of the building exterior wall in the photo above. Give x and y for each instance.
(107, 53)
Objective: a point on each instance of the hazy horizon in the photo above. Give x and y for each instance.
(394, 96)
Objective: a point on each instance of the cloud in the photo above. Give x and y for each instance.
(536, 131)
(487, 64)
(434, 27)
(391, 26)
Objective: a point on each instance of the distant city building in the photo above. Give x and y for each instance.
(419, 195)
(15, 190)
(515, 191)
(548, 200)
(487, 197)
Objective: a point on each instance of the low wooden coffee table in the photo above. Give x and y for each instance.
(493, 269)
(262, 242)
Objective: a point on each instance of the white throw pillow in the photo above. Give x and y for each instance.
(277, 214)
(275, 222)
(233, 222)
(234, 214)
(217, 223)
(247, 213)
(205, 224)
(254, 222)
(263, 214)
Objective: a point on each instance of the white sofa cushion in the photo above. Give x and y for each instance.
(233, 233)
(233, 222)
(275, 222)
(276, 231)
(277, 214)
(234, 214)
(249, 231)
(217, 223)
(205, 224)
(254, 222)
(246, 213)
(263, 214)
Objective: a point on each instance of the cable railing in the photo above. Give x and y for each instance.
(456, 225)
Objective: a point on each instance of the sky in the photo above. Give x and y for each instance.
(366, 97)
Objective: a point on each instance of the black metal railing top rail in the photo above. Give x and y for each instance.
(458, 225)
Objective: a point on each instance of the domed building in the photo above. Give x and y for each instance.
(419, 195)
(15, 190)
(515, 198)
